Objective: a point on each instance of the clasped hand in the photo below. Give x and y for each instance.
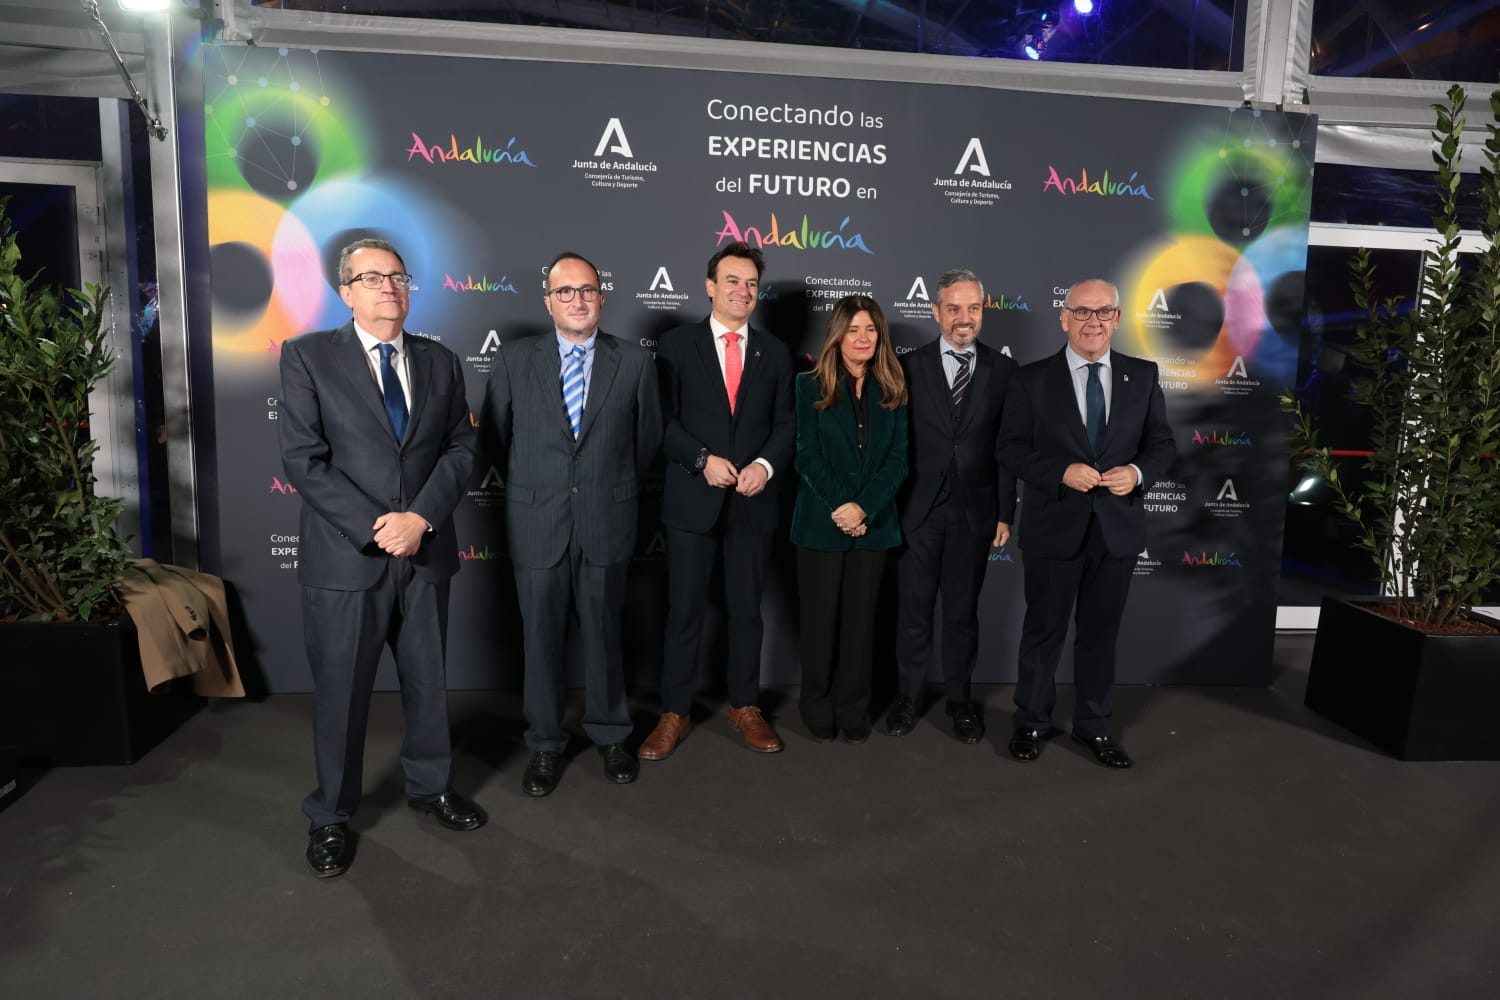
(399, 533)
(1119, 480)
(747, 482)
(850, 519)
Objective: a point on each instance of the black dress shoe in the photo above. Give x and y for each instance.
(620, 765)
(902, 718)
(452, 811)
(821, 735)
(1104, 750)
(330, 850)
(857, 736)
(1026, 744)
(542, 773)
(967, 725)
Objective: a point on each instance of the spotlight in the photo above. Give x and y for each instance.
(1084, 7)
(1034, 42)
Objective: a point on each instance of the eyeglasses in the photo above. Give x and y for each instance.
(374, 279)
(566, 292)
(1103, 314)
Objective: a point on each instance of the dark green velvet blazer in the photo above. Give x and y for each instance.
(834, 472)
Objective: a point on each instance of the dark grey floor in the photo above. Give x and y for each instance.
(1255, 851)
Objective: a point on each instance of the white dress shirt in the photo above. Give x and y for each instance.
(371, 344)
(1078, 367)
(719, 330)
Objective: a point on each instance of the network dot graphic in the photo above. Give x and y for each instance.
(273, 138)
(274, 131)
(1238, 212)
(1251, 181)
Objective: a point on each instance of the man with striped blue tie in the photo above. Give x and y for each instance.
(575, 420)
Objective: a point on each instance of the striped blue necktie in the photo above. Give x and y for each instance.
(572, 388)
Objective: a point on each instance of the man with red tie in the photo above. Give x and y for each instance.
(730, 431)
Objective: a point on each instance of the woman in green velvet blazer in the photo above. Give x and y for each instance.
(851, 457)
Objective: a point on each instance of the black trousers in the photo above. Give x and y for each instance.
(838, 592)
(597, 593)
(1098, 583)
(942, 556)
(344, 632)
(690, 564)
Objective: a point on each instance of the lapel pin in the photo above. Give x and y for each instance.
(1125, 377)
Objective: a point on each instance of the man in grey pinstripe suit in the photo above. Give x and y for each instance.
(576, 418)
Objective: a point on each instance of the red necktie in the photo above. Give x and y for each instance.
(734, 366)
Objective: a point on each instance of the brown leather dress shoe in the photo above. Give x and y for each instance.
(670, 731)
(758, 734)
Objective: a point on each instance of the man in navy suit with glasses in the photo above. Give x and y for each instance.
(376, 439)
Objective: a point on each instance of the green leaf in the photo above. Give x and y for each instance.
(59, 555)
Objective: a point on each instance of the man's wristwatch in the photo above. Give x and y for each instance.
(701, 462)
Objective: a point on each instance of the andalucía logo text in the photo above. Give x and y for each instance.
(484, 284)
(477, 153)
(1208, 559)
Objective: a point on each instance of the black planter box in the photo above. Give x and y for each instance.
(73, 693)
(1413, 695)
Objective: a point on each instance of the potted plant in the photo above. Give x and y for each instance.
(71, 684)
(1418, 673)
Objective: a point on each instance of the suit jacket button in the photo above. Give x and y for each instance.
(395, 499)
(572, 489)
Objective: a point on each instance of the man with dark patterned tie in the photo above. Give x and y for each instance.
(375, 436)
(574, 418)
(957, 503)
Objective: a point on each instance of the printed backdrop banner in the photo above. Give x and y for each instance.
(480, 171)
